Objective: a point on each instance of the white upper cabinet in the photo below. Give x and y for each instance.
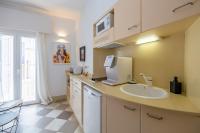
(156, 13)
(162, 121)
(126, 18)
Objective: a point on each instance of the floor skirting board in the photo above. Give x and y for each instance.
(59, 98)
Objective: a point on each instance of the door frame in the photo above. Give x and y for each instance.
(17, 78)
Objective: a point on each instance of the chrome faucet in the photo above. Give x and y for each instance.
(148, 80)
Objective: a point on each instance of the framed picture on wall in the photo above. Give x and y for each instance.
(61, 54)
(82, 53)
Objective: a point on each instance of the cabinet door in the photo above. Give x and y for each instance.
(126, 18)
(78, 106)
(71, 92)
(122, 117)
(76, 98)
(77, 83)
(160, 12)
(161, 121)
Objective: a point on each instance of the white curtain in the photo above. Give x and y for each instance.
(41, 74)
(1, 95)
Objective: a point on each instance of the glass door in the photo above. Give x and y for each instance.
(18, 67)
(6, 67)
(28, 69)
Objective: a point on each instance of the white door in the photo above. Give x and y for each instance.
(17, 67)
(91, 111)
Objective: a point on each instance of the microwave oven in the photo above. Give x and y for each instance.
(105, 24)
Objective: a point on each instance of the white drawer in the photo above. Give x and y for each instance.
(77, 83)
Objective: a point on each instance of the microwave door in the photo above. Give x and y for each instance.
(100, 27)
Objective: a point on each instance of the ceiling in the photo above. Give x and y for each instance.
(60, 8)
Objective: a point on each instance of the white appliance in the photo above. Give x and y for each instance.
(77, 70)
(105, 23)
(91, 110)
(118, 70)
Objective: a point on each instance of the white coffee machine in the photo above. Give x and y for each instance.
(118, 70)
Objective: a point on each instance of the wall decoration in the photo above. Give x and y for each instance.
(61, 54)
(82, 53)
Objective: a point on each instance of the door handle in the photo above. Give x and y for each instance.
(132, 27)
(184, 5)
(155, 117)
(93, 94)
(129, 108)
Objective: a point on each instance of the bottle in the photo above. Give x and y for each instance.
(175, 86)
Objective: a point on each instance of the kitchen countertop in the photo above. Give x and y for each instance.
(172, 102)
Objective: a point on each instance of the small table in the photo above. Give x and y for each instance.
(10, 105)
(9, 112)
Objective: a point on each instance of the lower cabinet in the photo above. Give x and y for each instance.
(162, 121)
(76, 98)
(122, 117)
(125, 117)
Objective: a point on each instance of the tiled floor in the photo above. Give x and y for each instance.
(54, 118)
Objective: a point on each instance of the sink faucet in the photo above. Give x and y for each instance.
(148, 80)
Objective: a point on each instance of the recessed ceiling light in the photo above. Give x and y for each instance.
(61, 40)
(62, 34)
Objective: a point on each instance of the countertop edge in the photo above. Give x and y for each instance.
(193, 109)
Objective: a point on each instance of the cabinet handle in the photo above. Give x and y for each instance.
(129, 108)
(154, 117)
(93, 94)
(184, 5)
(133, 27)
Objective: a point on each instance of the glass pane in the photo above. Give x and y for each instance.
(28, 69)
(6, 68)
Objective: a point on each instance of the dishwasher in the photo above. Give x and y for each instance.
(91, 110)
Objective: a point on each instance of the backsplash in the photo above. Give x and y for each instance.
(162, 60)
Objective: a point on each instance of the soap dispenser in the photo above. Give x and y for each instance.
(175, 86)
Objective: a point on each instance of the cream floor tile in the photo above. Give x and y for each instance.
(55, 125)
(54, 113)
(27, 129)
(69, 127)
(29, 120)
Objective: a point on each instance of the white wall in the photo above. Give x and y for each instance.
(13, 19)
(192, 62)
(92, 11)
(57, 77)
